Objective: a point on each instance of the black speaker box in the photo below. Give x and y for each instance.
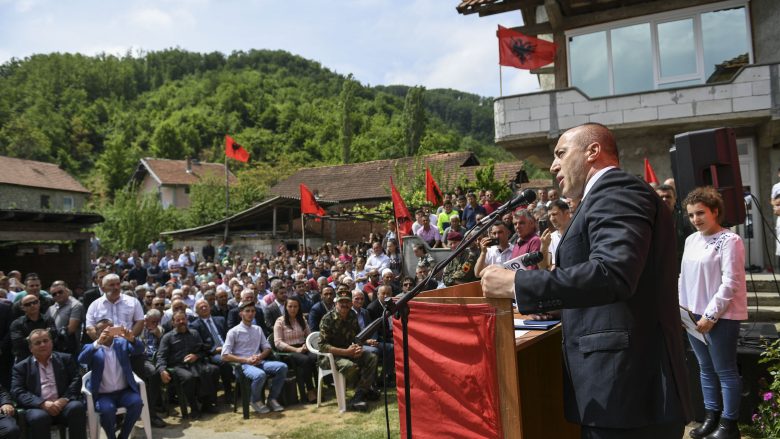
(709, 158)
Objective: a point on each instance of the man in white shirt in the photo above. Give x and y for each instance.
(246, 344)
(559, 216)
(121, 309)
(379, 260)
(494, 254)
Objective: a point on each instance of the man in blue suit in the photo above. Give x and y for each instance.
(616, 282)
(213, 330)
(48, 385)
(112, 380)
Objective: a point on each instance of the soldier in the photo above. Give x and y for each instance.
(461, 269)
(338, 329)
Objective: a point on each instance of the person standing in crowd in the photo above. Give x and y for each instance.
(32, 319)
(494, 249)
(68, 314)
(625, 374)
(208, 251)
(712, 286)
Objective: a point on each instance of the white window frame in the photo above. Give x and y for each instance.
(72, 206)
(654, 20)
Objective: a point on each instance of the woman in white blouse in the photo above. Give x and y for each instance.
(712, 286)
(290, 332)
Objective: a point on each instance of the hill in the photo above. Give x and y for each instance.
(97, 115)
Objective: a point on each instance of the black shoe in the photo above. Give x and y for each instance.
(157, 422)
(358, 403)
(210, 409)
(711, 419)
(727, 429)
(373, 395)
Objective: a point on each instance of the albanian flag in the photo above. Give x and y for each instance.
(235, 151)
(649, 173)
(432, 192)
(523, 52)
(402, 216)
(309, 204)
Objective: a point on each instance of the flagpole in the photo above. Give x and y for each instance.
(500, 82)
(227, 197)
(303, 233)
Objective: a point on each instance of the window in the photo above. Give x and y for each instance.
(674, 49)
(67, 203)
(45, 201)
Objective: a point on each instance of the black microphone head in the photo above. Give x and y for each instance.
(532, 258)
(528, 196)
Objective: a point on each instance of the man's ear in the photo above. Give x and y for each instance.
(593, 151)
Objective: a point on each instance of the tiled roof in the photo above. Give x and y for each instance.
(471, 6)
(37, 174)
(370, 180)
(174, 172)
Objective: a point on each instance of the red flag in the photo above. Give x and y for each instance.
(402, 217)
(523, 52)
(432, 191)
(309, 204)
(235, 151)
(649, 173)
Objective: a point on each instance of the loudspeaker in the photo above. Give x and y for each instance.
(709, 158)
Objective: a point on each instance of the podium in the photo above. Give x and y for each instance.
(528, 369)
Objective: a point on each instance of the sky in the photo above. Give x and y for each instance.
(411, 42)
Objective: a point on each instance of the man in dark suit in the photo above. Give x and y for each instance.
(275, 309)
(221, 307)
(321, 308)
(615, 281)
(213, 330)
(48, 385)
(112, 383)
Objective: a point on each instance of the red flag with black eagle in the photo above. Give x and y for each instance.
(522, 51)
(309, 204)
(235, 151)
(403, 218)
(432, 192)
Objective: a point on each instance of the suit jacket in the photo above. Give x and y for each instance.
(221, 312)
(26, 382)
(316, 314)
(272, 312)
(6, 354)
(202, 329)
(615, 280)
(94, 358)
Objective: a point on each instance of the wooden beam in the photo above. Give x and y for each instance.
(543, 71)
(534, 29)
(554, 14)
(621, 13)
(497, 8)
(6, 235)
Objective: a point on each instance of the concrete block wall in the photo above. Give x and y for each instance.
(556, 110)
(29, 198)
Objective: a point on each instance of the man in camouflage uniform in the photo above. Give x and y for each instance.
(338, 329)
(461, 269)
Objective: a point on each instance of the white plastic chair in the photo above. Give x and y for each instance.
(93, 419)
(339, 381)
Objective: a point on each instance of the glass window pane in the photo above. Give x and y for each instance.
(724, 36)
(678, 84)
(677, 48)
(632, 59)
(588, 57)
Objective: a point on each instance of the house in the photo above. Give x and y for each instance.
(43, 226)
(651, 69)
(171, 179)
(31, 185)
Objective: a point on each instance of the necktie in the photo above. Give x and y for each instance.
(214, 333)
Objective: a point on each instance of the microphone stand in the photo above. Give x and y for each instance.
(400, 307)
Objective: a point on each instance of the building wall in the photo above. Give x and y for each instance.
(765, 15)
(21, 197)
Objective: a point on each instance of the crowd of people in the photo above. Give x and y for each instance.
(202, 318)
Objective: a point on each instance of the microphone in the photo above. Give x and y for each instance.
(523, 261)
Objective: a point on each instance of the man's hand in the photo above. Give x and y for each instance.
(105, 337)
(484, 243)
(190, 358)
(165, 377)
(51, 408)
(354, 351)
(371, 342)
(546, 240)
(498, 282)
(61, 403)
(7, 409)
(254, 359)
(704, 325)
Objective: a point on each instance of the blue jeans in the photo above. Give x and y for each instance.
(257, 375)
(718, 364)
(106, 405)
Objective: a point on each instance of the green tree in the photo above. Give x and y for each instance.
(347, 107)
(414, 119)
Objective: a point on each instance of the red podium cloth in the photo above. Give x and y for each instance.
(452, 364)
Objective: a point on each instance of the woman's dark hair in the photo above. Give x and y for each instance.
(298, 317)
(395, 243)
(708, 196)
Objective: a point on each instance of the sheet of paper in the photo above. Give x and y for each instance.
(520, 332)
(689, 323)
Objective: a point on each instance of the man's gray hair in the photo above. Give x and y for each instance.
(153, 314)
(110, 277)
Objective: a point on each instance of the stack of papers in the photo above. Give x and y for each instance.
(538, 325)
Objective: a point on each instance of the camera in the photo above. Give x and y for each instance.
(492, 242)
(544, 224)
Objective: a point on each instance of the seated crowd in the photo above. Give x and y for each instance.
(199, 320)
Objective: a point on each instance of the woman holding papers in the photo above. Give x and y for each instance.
(712, 286)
